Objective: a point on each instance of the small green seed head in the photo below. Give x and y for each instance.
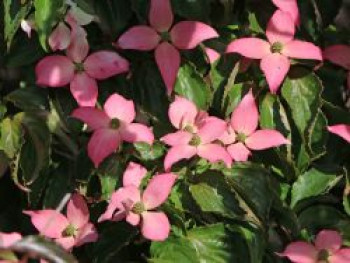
(79, 67)
(323, 256)
(195, 141)
(188, 128)
(277, 47)
(70, 231)
(138, 208)
(114, 124)
(165, 36)
(241, 137)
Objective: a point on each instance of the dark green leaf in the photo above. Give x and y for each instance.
(11, 136)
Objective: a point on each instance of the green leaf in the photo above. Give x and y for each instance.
(192, 9)
(47, 14)
(35, 153)
(302, 91)
(4, 162)
(190, 84)
(111, 240)
(110, 174)
(43, 248)
(15, 11)
(11, 136)
(149, 152)
(211, 243)
(313, 183)
(29, 98)
(213, 194)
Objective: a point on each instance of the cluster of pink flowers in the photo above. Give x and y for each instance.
(327, 248)
(197, 133)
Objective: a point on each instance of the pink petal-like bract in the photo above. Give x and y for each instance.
(214, 153)
(229, 136)
(66, 242)
(275, 68)
(79, 46)
(84, 89)
(182, 112)
(161, 15)
(208, 133)
(87, 234)
(168, 61)
(27, 26)
(264, 139)
(77, 211)
(250, 47)
(211, 54)
(291, 7)
(54, 71)
(118, 107)
(60, 37)
(301, 252)
(142, 38)
(340, 256)
(93, 117)
(302, 50)
(239, 152)
(7, 239)
(49, 223)
(136, 132)
(329, 240)
(123, 196)
(341, 130)
(280, 28)
(133, 219)
(105, 64)
(338, 54)
(178, 153)
(103, 143)
(177, 138)
(134, 174)
(158, 190)
(155, 226)
(245, 117)
(189, 34)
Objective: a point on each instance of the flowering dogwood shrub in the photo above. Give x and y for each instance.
(174, 131)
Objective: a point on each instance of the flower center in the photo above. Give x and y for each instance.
(114, 124)
(79, 67)
(276, 47)
(195, 141)
(70, 231)
(323, 255)
(138, 208)
(165, 36)
(241, 137)
(189, 128)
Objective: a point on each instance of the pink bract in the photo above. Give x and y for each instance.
(111, 127)
(80, 70)
(339, 55)
(69, 231)
(7, 239)
(242, 135)
(128, 203)
(341, 130)
(327, 248)
(290, 7)
(166, 39)
(275, 53)
(195, 135)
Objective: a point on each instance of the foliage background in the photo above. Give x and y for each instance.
(243, 214)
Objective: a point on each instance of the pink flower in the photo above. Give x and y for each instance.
(111, 127)
(80, 70)
(327, 248)
(242, 134)
(339, 55)
(275, 52)
(195, 136)
(8, 239)
(212, 55)
(69, 231)
(166, 40)
(128, 203)
(290, 7)
(341, 130)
